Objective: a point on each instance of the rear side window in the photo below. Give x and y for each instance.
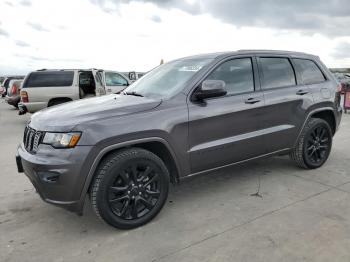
(237, 75)
(276, 72)
(310, 73)
(49, 79)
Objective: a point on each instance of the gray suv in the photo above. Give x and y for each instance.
(184, 118)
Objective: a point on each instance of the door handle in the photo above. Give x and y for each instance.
(302, 92)
(252, 100)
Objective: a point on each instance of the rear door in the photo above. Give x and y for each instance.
(115, 82)
(311, 76)
(286, 102)
(226, 129)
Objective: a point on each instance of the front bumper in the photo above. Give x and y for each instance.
(56, 173)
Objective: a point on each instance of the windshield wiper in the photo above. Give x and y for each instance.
(133, 93)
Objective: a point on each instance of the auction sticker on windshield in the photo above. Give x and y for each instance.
(191, 68)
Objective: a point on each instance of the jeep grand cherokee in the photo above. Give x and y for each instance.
(186, 117)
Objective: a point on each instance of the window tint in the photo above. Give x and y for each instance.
(309, 71)
(114, 79)
(276, 72)
(49, 79)
(237, 75)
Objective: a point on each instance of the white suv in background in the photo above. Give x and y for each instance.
(45, 88)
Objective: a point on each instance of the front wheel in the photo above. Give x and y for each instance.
(130, 188)
(314, 144)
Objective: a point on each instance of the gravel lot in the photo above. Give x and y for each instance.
(300, 216)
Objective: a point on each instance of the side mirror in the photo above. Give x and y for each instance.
(211, 88)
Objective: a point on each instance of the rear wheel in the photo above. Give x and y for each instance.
(130, 188)
(314, 144)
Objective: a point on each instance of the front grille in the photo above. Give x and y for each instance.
(31, 139)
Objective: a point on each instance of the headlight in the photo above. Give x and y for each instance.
(61, 140)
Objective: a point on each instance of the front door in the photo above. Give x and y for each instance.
(226, 129)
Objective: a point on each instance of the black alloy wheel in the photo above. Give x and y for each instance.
(135, 190)
(318, 144)
(130, 188)
(314, 144)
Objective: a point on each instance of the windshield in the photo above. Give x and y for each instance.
(168, 79)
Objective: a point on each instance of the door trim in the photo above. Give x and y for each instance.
(225, 142)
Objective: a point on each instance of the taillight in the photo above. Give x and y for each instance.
(13, 89)
(24, 97)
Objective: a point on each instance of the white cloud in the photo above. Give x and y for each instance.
(134, 36)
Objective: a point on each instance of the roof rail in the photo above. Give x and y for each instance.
(271, 50)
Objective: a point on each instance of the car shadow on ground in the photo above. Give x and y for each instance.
(244, 178)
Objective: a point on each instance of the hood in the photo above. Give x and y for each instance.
(64, 117)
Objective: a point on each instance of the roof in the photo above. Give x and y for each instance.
(65, 69)
(250, 51)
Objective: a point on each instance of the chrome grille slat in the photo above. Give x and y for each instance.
(36, 141)
(27, 138)
(30, 140)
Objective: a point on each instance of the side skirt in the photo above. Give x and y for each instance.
(279, 152)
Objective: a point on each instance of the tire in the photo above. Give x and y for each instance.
(57, 102)
(314, 144)
(130, 188)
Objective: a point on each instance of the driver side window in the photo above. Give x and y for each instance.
(237, 75)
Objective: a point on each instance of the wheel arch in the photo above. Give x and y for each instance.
(328, 116)
(156, 145)
(52, 100)
(320, 113)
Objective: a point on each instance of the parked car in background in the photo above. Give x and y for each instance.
(2, 90)
(6, 82)
(344, 80)
(133, 76)
(114, 82)
(184, 118)
(45, 88)
(13, 93)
